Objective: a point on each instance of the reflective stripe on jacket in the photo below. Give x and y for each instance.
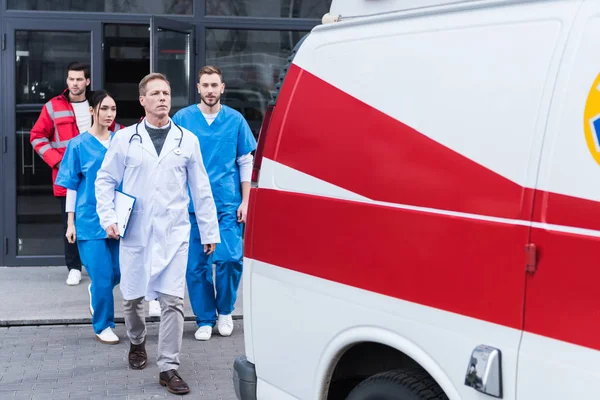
(51, 133)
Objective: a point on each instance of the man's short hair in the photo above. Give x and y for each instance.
(77, 66)
(151, 77)
(209, 70)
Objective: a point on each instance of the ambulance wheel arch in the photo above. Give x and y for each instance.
(411, 385)
(364, 352)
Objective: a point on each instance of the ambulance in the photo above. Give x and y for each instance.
(425, 221)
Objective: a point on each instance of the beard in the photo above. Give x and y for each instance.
(210, 102)
(77, 92)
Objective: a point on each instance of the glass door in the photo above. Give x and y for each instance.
(172, 52)
(126, 49)
(40, 52)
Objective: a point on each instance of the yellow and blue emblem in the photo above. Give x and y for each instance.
(591, 120)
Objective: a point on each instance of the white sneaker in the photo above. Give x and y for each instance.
(154, 308)
(74, 277)
(90, 293)
(203, 333)
(107, 336)
(225, 325)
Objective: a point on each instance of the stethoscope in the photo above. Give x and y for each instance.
(177, 151)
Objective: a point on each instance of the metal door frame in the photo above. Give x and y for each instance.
(9, 159)
(3, 130)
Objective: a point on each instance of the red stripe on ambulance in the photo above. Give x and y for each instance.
(562, 299)
(560, 209)
(328, 141)
(444, 262)
(467, 266)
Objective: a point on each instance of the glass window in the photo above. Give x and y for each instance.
(41, 62)
(174, 61)
(273, 8)
(251, 62)
(126, 62)
(166, 7)
(42, 59)
(39, 224)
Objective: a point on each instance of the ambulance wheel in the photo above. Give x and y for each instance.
(398, 385)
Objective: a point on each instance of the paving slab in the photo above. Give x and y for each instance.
(39, 296)
(75, 366)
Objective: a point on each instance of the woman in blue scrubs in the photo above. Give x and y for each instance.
(100, 255)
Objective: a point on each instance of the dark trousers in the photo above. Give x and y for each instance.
(71, 251)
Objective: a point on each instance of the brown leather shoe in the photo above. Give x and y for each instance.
(173, 382)
(137, 355)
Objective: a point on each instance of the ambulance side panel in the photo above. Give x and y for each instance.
(560, 352)
(396, 194)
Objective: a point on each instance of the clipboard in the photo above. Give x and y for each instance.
(123, 207)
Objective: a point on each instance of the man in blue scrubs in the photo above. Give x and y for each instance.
(226, 143)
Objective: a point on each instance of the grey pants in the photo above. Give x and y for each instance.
(170, 333)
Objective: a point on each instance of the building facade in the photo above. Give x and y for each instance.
(123, 40)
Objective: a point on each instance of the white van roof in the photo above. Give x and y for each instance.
(355, 8)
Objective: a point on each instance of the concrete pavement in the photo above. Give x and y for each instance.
(48, 350)
(65, 362)
(39, 296)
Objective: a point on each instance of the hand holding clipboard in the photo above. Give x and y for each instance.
(124, 204)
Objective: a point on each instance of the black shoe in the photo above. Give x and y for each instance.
(137, 355)
(173, 382)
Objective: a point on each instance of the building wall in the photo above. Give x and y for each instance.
(249, 39)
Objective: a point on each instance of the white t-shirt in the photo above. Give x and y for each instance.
(82, 115)
(210, 118)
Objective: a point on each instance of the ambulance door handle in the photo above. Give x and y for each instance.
(530, 258)
(484, 372)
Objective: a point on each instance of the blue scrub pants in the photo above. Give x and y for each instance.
(228, 270)
(101, 259)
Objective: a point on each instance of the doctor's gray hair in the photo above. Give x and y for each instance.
(151, 77)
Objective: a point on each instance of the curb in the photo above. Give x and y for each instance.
(82, 321)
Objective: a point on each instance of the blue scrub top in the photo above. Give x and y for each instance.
(78, 168)
(221, 143)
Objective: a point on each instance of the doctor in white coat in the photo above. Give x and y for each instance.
(154, 161)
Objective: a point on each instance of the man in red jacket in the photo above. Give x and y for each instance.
(61, 119)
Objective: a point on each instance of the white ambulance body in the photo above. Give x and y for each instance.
(426, 219)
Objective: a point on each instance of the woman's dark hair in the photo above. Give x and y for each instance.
(96, 98)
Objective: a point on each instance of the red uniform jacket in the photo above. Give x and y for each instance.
(52, 131)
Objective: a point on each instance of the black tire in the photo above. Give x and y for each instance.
(398, 385)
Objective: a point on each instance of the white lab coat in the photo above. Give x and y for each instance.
(154, 252)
